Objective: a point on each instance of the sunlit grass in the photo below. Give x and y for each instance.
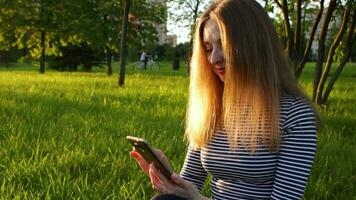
(62, 134)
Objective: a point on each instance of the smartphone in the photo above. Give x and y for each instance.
(147, 152)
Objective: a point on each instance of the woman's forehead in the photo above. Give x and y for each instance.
(211, 31)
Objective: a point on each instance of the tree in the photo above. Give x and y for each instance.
(6, 40)
(124, 42)
(190, 10)
(293, 25)
(33, 25)
(319, 94)
(346, 53)
(43, 27)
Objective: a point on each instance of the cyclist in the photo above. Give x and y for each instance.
(144, 59)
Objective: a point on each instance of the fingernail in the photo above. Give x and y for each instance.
(134, 154)
(152, 167)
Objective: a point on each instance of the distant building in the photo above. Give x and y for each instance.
(161, 29)
(333, 27)
(172, 40)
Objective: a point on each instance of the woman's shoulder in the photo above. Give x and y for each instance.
(295, 110)
(294, 102)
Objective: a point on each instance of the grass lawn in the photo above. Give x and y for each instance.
(62, 134)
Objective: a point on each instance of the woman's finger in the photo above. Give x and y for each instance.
(161, 183)
(155, 180)
(178, 186)
(159, 174)
(140, 160)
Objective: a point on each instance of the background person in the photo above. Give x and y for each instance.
(248, 123)
(144, 59)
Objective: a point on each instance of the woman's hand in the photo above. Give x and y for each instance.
(176, 186)
(144, 164)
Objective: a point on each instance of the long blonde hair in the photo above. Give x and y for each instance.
(247, 104)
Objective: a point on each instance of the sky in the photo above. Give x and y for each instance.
(178, 28)
(174, 28)
(181, 32)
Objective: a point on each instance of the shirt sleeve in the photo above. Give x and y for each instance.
(296, 153)
(192, 168)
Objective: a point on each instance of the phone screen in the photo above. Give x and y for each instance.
(147, 152)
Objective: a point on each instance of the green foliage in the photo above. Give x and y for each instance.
(168, 52)
(182, 50)
(96, 23)
(74, 56)
(187, 8)
(165, 51)
(185, 12)
(143, 16)
(339, 53)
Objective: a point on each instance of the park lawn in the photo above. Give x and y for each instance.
(62, 134)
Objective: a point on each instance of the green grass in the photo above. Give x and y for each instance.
(334, 172)
(62, 134)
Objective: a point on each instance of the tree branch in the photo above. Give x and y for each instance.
(351, 38)
(189, 3)
(310, 40)
(290, 43)
(279, 4)
(321, 46)
(297, 35)
(331, 53)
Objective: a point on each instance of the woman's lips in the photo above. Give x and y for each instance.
(220, 71)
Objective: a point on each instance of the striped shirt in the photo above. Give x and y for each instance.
(241, 175)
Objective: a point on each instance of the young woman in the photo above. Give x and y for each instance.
(248, 124)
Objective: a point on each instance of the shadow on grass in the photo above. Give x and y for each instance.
(164, 71)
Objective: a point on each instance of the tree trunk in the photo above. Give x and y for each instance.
(290, 42)
(303, 60)
(123, 45)
(321, 47)
(109, 60)
(347, 54)
(336, 42)
(297, 36)
(5, 58)
(43, 52)
(191, 33)
(175, 63)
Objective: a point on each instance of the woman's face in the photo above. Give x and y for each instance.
(213, 47)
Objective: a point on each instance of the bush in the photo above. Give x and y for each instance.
(75, 56)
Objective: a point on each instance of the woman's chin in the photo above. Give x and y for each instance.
(222, 78)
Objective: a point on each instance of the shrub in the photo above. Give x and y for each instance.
(74, 56)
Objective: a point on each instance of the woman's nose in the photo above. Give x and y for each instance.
(216, 56)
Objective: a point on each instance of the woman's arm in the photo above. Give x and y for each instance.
(296, 153)
(192, 168)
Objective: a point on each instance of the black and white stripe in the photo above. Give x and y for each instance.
(238, 174)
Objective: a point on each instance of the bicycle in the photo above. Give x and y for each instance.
(151, 64)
